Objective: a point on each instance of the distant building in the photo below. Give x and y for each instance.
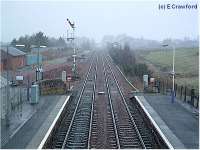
(33, 59)
(16, 58)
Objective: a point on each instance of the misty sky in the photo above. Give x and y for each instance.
(96, 19)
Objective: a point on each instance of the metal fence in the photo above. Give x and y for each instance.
(17, 96)
(183, 93)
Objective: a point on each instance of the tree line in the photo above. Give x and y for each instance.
(126, 59)
(37, 39)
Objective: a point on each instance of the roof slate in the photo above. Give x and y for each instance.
(13, 51)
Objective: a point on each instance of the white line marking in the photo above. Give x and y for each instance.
(53, 124)
(155, 124)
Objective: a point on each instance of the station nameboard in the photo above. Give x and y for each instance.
(19, 78)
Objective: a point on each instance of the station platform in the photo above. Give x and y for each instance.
(178, 122)
(34, 129)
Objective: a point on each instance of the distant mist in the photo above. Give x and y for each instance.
(145, 44)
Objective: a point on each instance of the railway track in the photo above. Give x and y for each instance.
(78, 132)
(145, 131)
(72, 129)
(103, 133)
(128, 134)
(103, 117)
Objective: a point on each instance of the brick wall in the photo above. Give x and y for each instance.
(17, 62)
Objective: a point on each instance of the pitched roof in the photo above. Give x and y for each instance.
(13, 51)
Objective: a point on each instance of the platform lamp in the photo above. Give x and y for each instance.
(20, 81)
(38, 67)
(173, 72)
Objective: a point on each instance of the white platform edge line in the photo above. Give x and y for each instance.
(53, 124)
(155, 124)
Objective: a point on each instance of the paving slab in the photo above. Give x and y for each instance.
(33, 131)
(38, 137)
(179, 124)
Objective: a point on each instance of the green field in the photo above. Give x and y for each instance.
(186, 63)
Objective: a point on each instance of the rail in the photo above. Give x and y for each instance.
(76, 109)
(111, 107)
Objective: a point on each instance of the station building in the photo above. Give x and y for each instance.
(16, 58)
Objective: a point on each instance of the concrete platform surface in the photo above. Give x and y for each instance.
(179, 125)
(33, 131)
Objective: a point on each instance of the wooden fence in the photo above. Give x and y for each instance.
(56, 86)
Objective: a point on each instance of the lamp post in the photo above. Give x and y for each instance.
(20, 88)
(173, 72)
(7, 87)
(38, 63)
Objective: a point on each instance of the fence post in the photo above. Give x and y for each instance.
(163, 87)
(175, 89)
(167, 84)
(28, 90)
(185, 94)
(181, 92)
(158, 86)
(192, 97)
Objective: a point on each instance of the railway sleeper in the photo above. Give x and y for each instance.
(94, 125)
(114, 144)
(81, 120)
(127, 131)
(80, 125)
(112, 136)
(130, 146)
(94, 137)
(134, 143)
(110, 127)
(77, 139)
(76, 146)
(78, 136)
(83, 110)
(94, 128)
(79, 130)
(129, 139)
(110, 131)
